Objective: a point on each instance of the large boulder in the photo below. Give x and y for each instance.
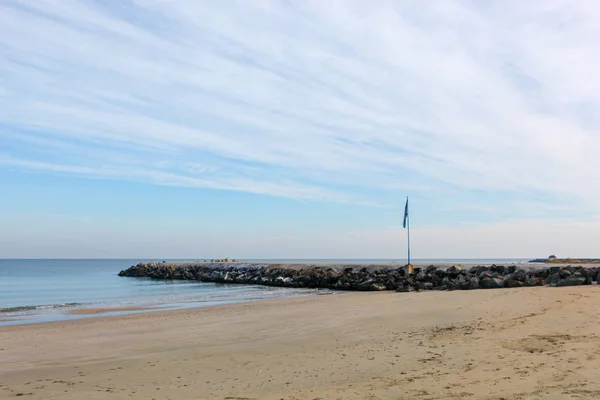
(565, 273)
(572, 280)
(590, 275)
(376, 287)
(474, 283)
(512, 283)
(552, 279)
(500, 269)
(478, 269)
(491, 283)
(534, 281)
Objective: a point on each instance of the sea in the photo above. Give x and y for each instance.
(33, 291)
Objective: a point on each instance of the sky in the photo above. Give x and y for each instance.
(296, 129)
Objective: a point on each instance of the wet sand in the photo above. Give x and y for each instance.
(91, 311)
(530, 343)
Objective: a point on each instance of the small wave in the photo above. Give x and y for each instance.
(39, 307)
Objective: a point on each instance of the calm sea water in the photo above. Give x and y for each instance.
(47, 290)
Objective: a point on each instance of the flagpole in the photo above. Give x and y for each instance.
(408, 231)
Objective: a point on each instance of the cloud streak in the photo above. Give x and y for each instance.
(336, 101)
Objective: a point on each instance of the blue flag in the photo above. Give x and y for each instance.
(405, 213)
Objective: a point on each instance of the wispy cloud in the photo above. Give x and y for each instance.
(337, 101)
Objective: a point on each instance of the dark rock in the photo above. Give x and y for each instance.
(554, 270)
(500, 269)
(478, 270)
(491, 283)
(431, 269)
(466, 283)
(485, 274)
(572, 281)
(453, 271)
(440, 273)
(377, 287)
(534, 282)
(565, 273)
(590, 275)
(512, 283)
(474, 283)
(542, 273)
(552, 279)
(520, 275)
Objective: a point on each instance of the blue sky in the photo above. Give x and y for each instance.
(251, 129)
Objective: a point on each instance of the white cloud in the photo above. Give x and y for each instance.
(326, 100)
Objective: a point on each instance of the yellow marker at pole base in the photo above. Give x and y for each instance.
(409, 269)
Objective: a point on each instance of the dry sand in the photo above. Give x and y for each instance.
(534, 343)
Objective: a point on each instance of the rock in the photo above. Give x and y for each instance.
(485, 274)
(478, 270)
(453, 271)
(542, 273)
(554, 270)
(283, 280)
(552, 279)
(500, 269)
(565, 273)
(512, 283)
(572, 281)
(590, 275)
(492, 283)
(534, 282)
(431, 269)
(463, 282)
(366, 285)
(520, 275)
(474, 283)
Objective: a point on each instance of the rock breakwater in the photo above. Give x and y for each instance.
(368, 277)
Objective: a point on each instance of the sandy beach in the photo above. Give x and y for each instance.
(529, 343)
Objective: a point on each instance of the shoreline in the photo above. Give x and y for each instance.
(89, 315)
(355, 345)
(105, 310)
(156, 313)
